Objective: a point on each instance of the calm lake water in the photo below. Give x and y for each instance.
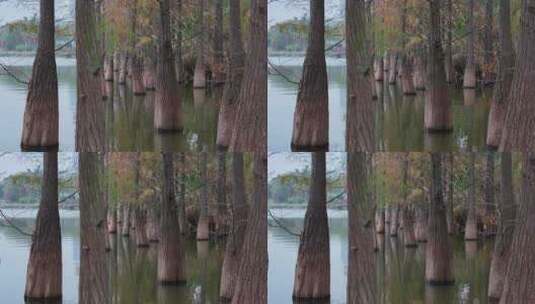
(130, 117)
(133, 270)
(400, 270)
(399, 121)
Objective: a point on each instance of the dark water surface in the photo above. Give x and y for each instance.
(132, 269)
(400, 270)
(399, 120)
(130, 118)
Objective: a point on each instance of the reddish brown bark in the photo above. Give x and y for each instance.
(360, 117)
(168, 109)
(203, 231)
(94, 282)
(251, 285)
(437, 115)
(90, 110)
(199, 76)
(231, 91)
(506, 226)
(380, 221)
(519, 286)
(519, 124)
(44, 272)
(438, 254)
(40, 124)
(230, 268)
(505, 71)
(312, 271)
(108, 68)
(138, 86)
(311, 116)
(171, 266)
(361, 272)
(470, 231)
(469, 79)
(249, 131)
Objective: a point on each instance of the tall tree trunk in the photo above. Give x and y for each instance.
(179, 64)
(504, 77)
(489, 184)
(378, 69)
(40, 126)
(407, 83)
(519, 286)
(221, 193)
(232, 87)
(469, 79)
(184, 227)
(94, 279)
(470, 230)
(218, 66)
(230, 268)
(312, 271)
(488, 44)
(450, 70)
(168, 108)
(361, 277)
(171, 265)
(203, 232)
(311, 116)
(90, 110)
(393, 67)
(437, 100)
(394, 221)
(518, 132)
(380, 221)
(138, 87)
(140, 210)
(438, 253)
(249, 130)
(125, 224)
(360, 121)
(44, 272)
(420, 231)
(449, 201)
(251, 284)
(112, 221)
(199, 77)
(506, 227)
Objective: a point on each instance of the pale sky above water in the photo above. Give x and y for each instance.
(11, 10)
(281, 10)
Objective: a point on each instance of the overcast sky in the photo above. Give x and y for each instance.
(281, 10)
(11, 10)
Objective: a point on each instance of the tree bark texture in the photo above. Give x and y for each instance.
(171, 265)
(251, 284)
(203, 231)
(469, 79)
(438, 251)
(230, 268)
(249, 132)
(312, 271)
(437, 115)
(504, 77)
(90, 110)
(41, 114)
(168, 108)
(44, 272)
(506, 226)
(311, 116)
(519, 286)
(231, 91)
(361, 272)
(360, 117)
(519, 124)
(94, 279)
